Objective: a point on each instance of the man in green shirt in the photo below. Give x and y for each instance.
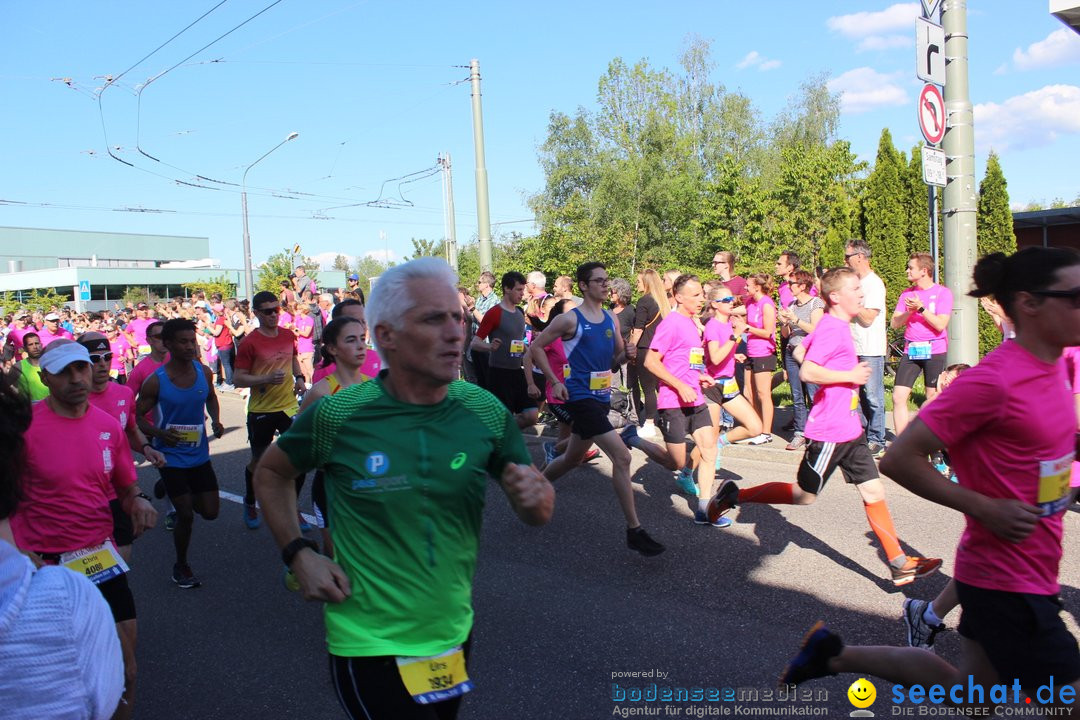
(30, 369)
(406, 458)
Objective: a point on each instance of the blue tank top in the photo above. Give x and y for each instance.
(183, 409)
(589, 354)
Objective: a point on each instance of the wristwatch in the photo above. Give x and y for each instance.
(288, 553)
(919, 309)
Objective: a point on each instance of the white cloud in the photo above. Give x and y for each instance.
(754, 58)
(1060, 47)
(326, 259)
(900, 16)
(1029, 120)
(383, 255)
(864, 89)
(885, 42)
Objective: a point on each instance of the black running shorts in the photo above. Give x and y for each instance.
(561, 414)
(189, 480)
(509, 386)
(762, 364)
(123, 530)
(821, 458)
(676, 423)
(908, 370)
(590, 417)
(261, 428)
(716, 394)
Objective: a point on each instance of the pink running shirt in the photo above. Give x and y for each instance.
(371, 367)
(835, 415)
(757, 346)
(118, 401)
(719, 331)
(304, 344)
(119, 346)
(70, 463)
(677, 340)
(1009, 424)
(556, 356)
(938, 300)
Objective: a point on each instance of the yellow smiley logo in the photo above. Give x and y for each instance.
(861, 693)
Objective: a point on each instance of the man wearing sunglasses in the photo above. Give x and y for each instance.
(118, 401)
(264, 362)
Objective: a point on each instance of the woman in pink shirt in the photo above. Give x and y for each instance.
(1010, 428)
(760, 351)
(304, 326)
(722, 333)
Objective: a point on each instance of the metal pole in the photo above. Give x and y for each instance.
(451, 223)
(935, 249)
(248, 277)
(483, 220)
(959, 202)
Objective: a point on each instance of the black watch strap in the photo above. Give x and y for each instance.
(289, 551)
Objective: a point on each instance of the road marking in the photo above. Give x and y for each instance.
(239, 500)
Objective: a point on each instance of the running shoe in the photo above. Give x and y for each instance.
(649, 431)
(798, 440)
(183, 577)
(305, 526)
(592, 454)
(725, 498)
(701, 518)
(159, 489)
(877, 450)
(251, 517)
(638, 539)
(761, 439)
(629, 435)
(920, 633)
(915, 567)
(550, 453)
(170, 520)
(818, 647)
(685, 479)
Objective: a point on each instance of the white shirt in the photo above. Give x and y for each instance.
(871, 341)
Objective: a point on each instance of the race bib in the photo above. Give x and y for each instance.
(114, 373)
(731, 386)
(854, 400)
(1054, 491)
(697, 358)
(919, 350)
(566, 371)
(517, 348)
(99, 564)
(600, 381)
(144, 349)
(435, 678)
(190, 435)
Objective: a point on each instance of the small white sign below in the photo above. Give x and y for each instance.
(933, 166)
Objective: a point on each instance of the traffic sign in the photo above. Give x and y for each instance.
(929, 51)
(933, 166)
(84, 290)
(930, 8)
(932, 114)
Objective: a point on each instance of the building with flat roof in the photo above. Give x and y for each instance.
(102, 265)
(1058, 227)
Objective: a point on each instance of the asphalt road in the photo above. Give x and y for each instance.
(560, 610)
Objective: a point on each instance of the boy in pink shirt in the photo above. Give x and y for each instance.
(833, 429)
(1010, 428)
(923, 311)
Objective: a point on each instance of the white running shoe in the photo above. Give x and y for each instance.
(761, 439)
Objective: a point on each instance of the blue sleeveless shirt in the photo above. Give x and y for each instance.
(183, 409)
(589, 354)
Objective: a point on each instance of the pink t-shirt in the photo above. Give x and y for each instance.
(556, 356)
(719, 331)
(1009, 424)
(678, 342)
(118, 401)
(757, 346)
(937, 300)
(1071, 358)
(137, 328)
(69, 464)
(15, 334)
(304, 344)
(835, 415)
(371, 367)
(119, 347)
(47, 337)
(142, 370)
(285, 320)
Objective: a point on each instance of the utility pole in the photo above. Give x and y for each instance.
(483, 220)
(448, 211)
(959, 202)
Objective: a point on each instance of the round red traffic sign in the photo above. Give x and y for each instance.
(932, 114)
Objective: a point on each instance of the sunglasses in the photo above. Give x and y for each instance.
(727, 299)
(1072, 295)
(155, 336)
(270, 311)
(850, 255)
(107, 357)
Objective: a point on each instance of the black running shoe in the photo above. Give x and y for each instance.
(638, 539)
(183, 577)
(818, 647)
(725, 498)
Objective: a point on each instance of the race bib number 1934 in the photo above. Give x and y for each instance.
(436, 678)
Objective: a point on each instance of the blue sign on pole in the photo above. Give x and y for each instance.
(84, 290)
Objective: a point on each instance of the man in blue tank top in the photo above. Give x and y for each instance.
(593, 345)
(178, 393)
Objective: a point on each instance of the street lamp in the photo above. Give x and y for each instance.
(248, 278)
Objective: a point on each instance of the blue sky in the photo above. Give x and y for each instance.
(375, 91)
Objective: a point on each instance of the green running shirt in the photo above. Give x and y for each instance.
(405, 485)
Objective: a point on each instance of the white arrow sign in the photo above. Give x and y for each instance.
(929, 51)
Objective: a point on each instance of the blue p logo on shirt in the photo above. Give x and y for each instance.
(377, 463)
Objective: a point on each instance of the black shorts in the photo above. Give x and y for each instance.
(261, 428)
(715, 395)
(370, 688)
(676, 423)
(509, 386)
(589, 417)
(318, 500)
(908, 370)
(540, 380)
(821, 458)
(118, 594)
(123, 530)
(189, 480)
(560, 413)
(1022, 634)
(762, 364)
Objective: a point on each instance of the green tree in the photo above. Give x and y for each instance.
(994, 233)
(368, 267)
(884, 217)
(427, 248)
(213, 285)
(38, 300)
(136, 295)
(341, 264)
(279, 266)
